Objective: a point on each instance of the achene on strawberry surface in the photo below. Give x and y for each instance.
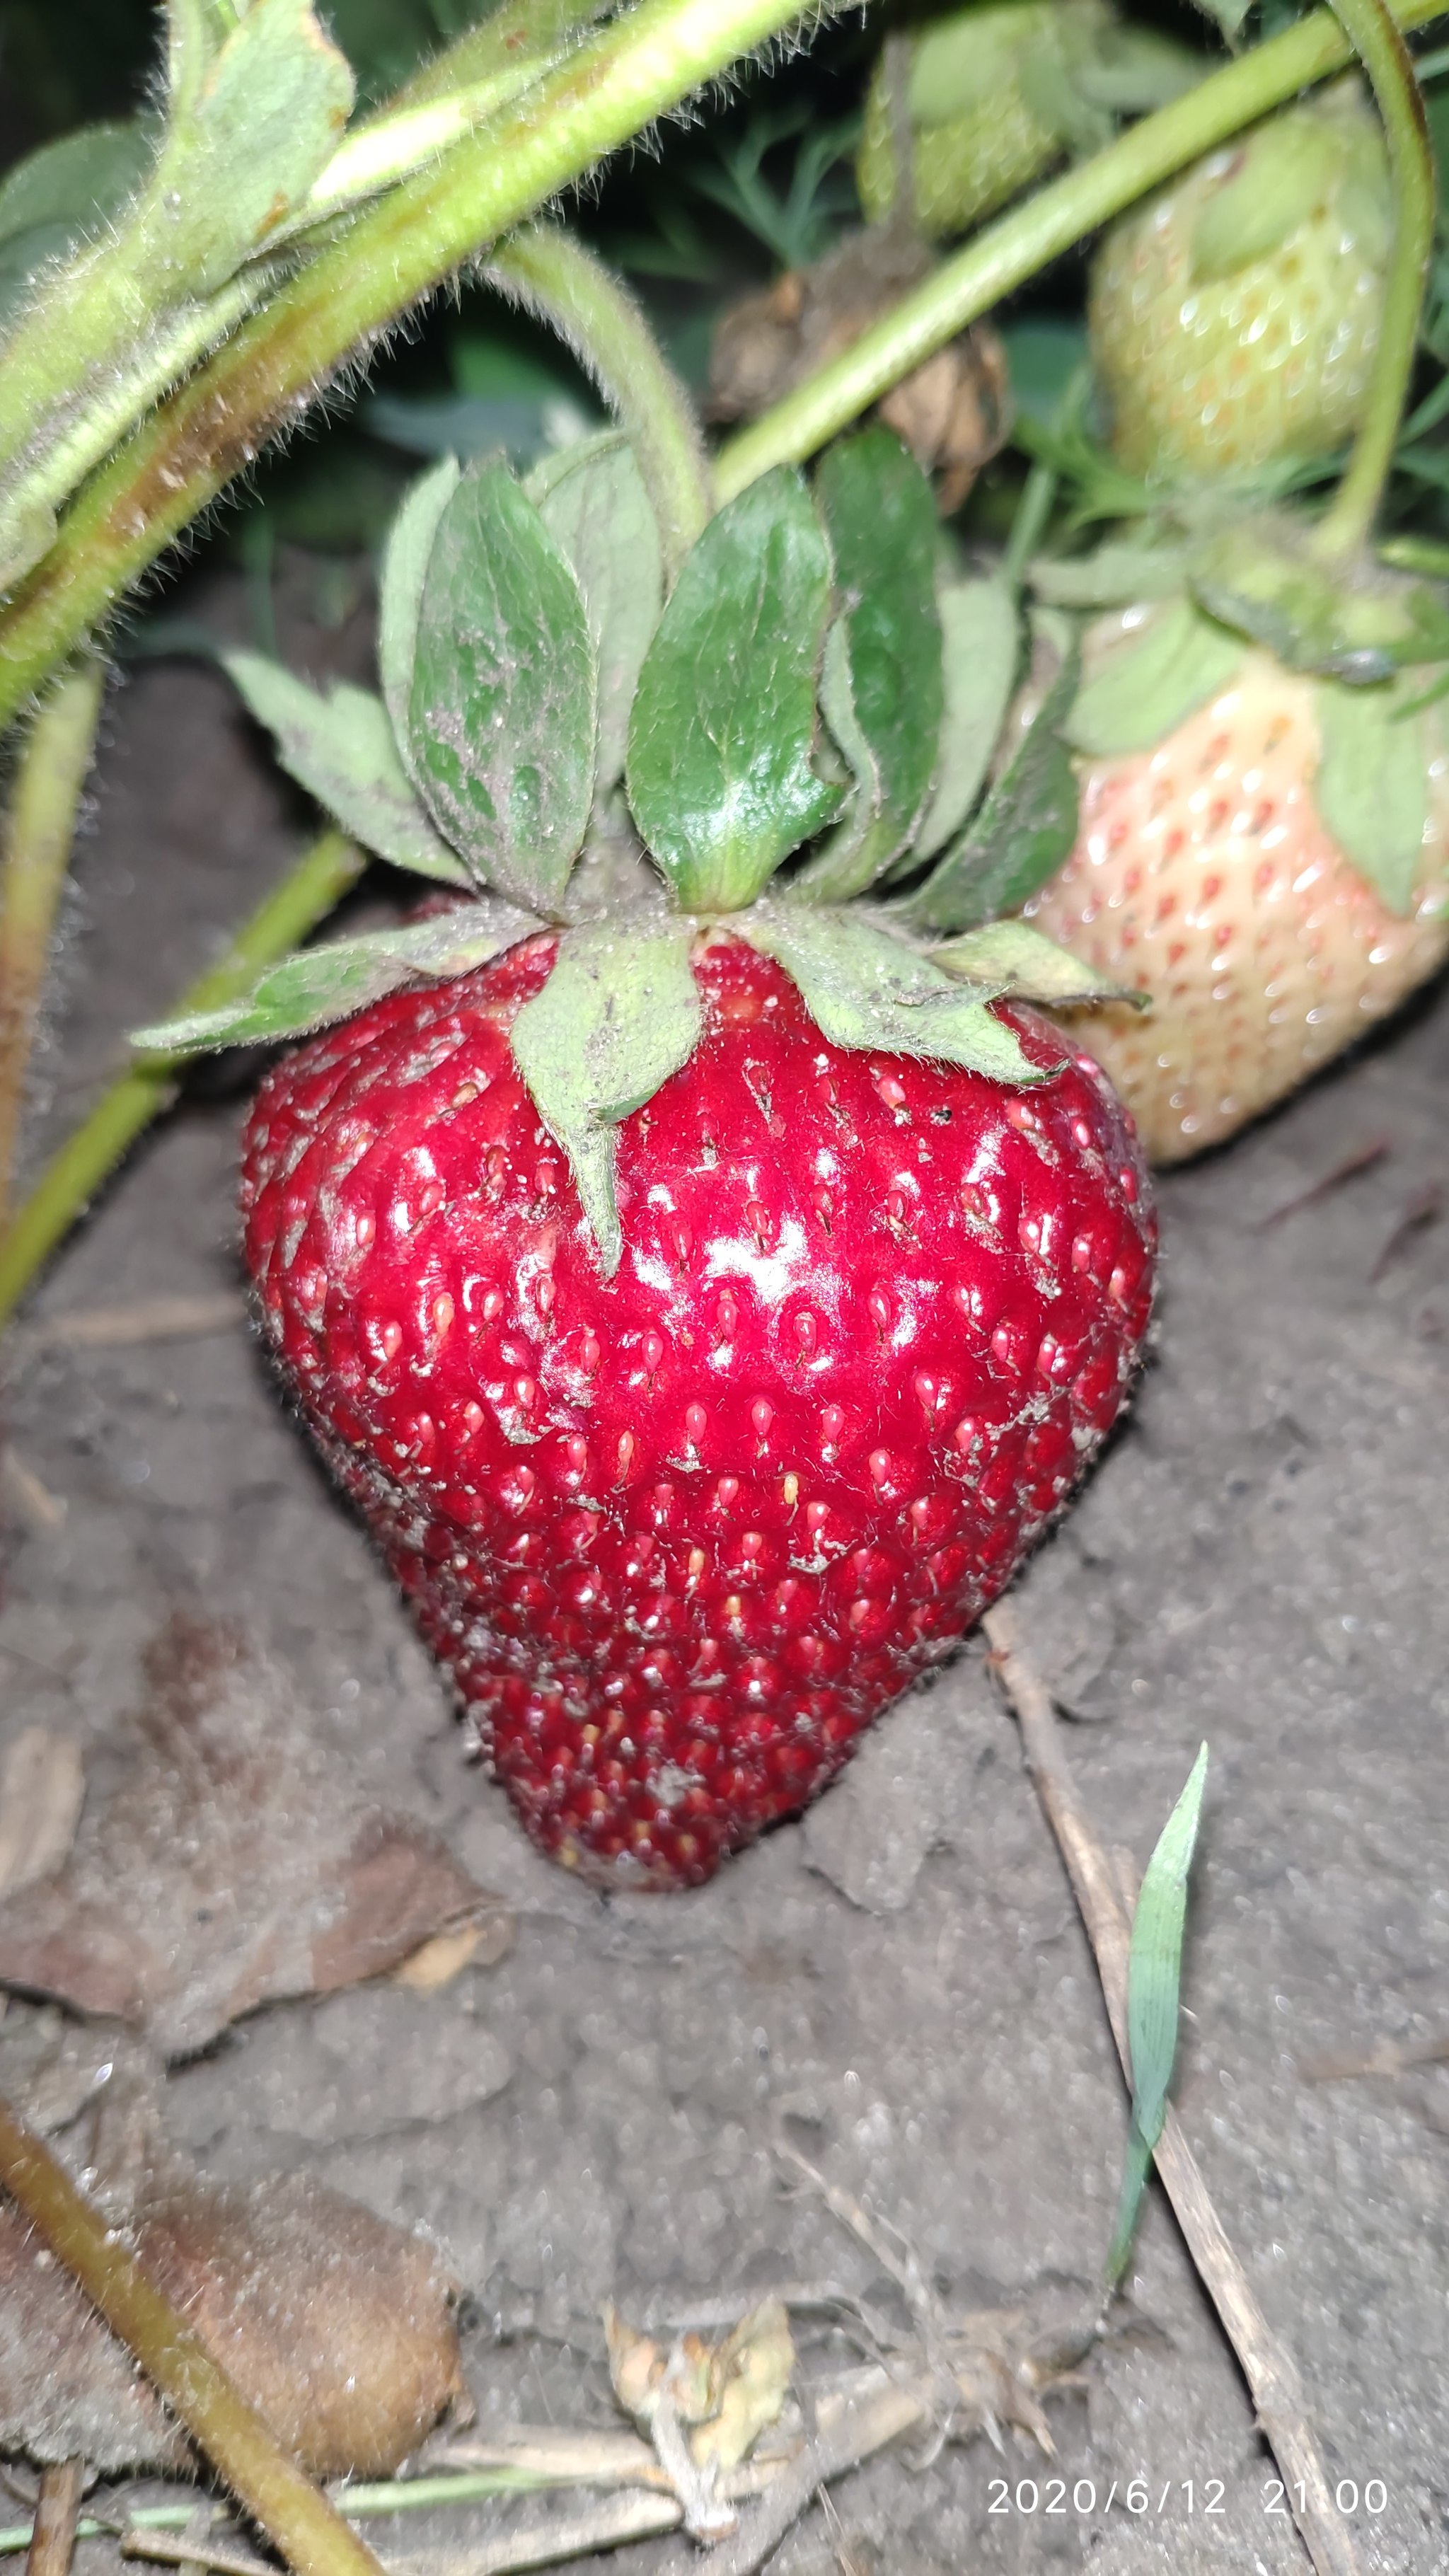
(679, 1536)
(706, 1293)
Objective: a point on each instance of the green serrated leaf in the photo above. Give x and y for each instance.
(592, 500)
(404, 568)
(1371, 786)
(1154, 1980)
(342, 749)
(320, 985)
(1175, 663)
(885, 694)
(719, 775)
(1014, 958)
(1021, 835)
(619, 1014)
(980, 651)
(863, 987)
(503, 712)
(53, 199)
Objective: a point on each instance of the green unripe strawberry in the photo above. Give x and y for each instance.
(1235, 316)
(994, 95)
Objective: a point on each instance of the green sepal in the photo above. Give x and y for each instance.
(619, 1014)
(882, 690)
(342, 749)
(502, 716)
(592, 500)
(863, 987)
(1371, 787)
(723, 721)
(980, 651)
(1154, 1986)
(1283, 171)
(1147, 687)
(1353, 626)
(319, 985)
(1118, 574)
(1021, 835)
(1023, 962)
(400, 591)
(55, 198)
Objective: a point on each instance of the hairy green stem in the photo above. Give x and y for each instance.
(294, 2513)
(639, 68)
(551, 272)
(999, 259)
(1348, 521)
(520, 31)
(88, 1157)
(44, 803)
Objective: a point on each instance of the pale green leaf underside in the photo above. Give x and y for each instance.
(320, 985)
(53, 199)
(1021, 833)
(1371, 787)
(502, 715)
(723, 721)
(1174, 665)
(404, 569)
(342, 749)
(619, 1014)
(1016, 959)
(865, 988)
(592, 500)
(980, 643)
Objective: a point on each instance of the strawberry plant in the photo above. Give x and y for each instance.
(706, 1288)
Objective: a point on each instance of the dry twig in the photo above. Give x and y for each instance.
(57, 2510)
(1267, 2366)
(154, 1319)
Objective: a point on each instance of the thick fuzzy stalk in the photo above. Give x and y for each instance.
(551, 272)
(1000, 258)
(605, 92)
(87, 1158)
(1387, 60)
(307, 2529)
(43, 808)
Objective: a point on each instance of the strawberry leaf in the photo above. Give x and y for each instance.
(53, 199)
(342, 750)
(980, 650)
(1021, 835)
(1014, 958)
(723, 721)
(320, 985)
(863, 987)
(404, 568)
(592, 500)
(503, 710)
(257, 104)
(1175, 662)
(884, 695)
(1370, 789)
(619, 1014)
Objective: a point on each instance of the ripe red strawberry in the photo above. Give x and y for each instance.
(1205, 874)
(680, 1534)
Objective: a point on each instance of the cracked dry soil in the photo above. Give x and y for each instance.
(900, 1976)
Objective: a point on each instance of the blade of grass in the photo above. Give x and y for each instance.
(75, 1173)
(1154, 1982)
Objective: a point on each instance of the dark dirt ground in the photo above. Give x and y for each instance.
(901, 1976)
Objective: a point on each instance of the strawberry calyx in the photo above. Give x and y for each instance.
(807, 721)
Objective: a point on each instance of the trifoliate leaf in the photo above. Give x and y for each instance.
(342, 749)
(400, 599)
(592, 500)
(1177, 660)
(1371, 786)
(1154, 1980)
(619, 1014)
(55, 197)
(719, 774)
(884, 699)
(320, 985)
(980, 650)
(1021, 835)
(1014, 958)
(863, 987)
(502, 717)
